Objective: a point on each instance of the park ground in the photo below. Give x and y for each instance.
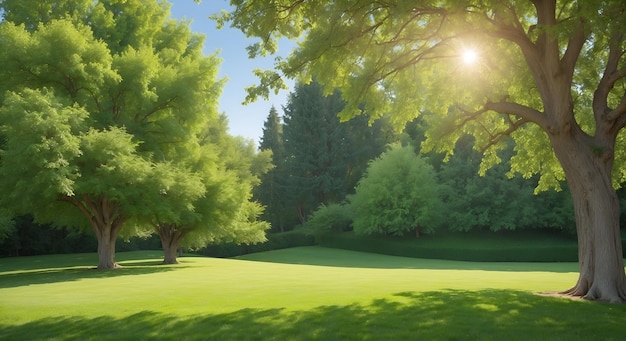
(304, 293)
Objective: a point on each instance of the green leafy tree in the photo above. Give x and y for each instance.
(96, 97)
(223, 210)
(399, 194)
(548, 74)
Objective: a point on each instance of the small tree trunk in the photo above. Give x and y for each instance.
(596, 206)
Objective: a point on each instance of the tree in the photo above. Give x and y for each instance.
(95, 96)
(228, 169)
(273, 183)
(399, 194)
(549, 75)
(495, 200)
(315, 149)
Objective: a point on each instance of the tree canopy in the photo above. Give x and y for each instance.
(108, 110)
(548, 73)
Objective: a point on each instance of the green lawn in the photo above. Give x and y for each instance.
(308, 293)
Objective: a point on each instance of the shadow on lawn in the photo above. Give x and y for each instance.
(56, 275)
(321, 256)
(461, 315)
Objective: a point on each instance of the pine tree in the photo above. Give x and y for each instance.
(273, 183)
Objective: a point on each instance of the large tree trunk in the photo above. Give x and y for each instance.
(106, 247)
(171, 236)
(596, 205)
(106, 221)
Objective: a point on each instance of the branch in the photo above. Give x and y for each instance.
(618, 112)
(494, 138)
(574, 46)
(527, 113)
(610, 76)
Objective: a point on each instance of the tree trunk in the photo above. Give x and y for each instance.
(596, 206)
(171, 236)
(106, 249)
(170, 253)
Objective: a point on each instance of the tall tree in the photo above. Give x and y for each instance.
(228, 170)
(548, 74)
(315, 149)
(273, 183)
(95, 97)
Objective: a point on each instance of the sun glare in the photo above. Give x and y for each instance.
(469, 56)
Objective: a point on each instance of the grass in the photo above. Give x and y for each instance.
(307, 293)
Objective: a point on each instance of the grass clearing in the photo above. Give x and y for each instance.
(307, 293)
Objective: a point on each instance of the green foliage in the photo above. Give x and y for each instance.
(109, 119)
(331, 217)
(496, 201)
(7, 226)
(323, 157)
(314, 147)
(404, 59)
(271, 191)
(398, 194)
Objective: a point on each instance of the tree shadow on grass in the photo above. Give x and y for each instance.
(440, 315)
(57, 275)
(321, 256)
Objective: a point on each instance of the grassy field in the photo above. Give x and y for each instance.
(307, 293)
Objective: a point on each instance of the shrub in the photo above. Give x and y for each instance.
(398, 194)
(333, 217)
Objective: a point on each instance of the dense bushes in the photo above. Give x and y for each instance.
(332, 217)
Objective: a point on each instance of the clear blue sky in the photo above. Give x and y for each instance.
(230, 43)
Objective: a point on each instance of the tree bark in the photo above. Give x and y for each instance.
(106, 249)
(171, 236)
(596, 206)
(106, 221)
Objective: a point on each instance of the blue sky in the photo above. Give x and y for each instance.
(230, 43)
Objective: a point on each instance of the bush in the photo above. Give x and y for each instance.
(332, 217)
(399, 194)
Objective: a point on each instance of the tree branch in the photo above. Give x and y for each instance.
(574, 46)
(610, 76)
(526, 113)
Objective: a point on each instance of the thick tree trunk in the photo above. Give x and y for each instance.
(169, 252)
(106, 249)
(106, 222)
(171, 236)
(596, 206)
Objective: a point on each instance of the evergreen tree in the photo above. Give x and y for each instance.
(315, 149)
(273, 183)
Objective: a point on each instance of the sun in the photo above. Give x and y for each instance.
(469, 56)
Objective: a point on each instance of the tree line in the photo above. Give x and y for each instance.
(365, 175)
